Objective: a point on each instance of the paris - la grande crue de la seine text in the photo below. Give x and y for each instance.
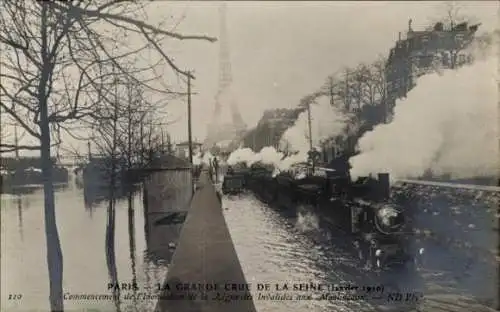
(232, 292)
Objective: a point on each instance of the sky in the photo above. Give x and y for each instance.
(281, 51)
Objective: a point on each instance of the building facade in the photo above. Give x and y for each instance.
(424, 52)
(182, 149)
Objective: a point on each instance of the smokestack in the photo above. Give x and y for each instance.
(384, 185)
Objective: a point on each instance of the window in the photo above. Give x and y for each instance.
(424, 40)
(459, 38)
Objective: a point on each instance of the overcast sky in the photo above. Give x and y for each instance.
(281, 51)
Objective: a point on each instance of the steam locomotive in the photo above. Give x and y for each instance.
(234, 181)
(361, 210)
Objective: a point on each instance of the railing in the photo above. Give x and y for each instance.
(453, 185)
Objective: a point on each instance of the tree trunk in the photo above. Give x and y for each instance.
(54, 253)
(110, 226)
(110, 251)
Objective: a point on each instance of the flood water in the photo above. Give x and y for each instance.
(276, 246)
(85, 248)
(272, 247)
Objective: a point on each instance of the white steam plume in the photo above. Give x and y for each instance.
(241, 155)
(326, 121)
(198, 159)
(269, 156)
(447, 124)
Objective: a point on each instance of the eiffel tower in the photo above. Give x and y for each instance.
(224, 130)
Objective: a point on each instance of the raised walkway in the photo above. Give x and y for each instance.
(205, 274)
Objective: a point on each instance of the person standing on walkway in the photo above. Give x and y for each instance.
(216, 169)
(210, 170)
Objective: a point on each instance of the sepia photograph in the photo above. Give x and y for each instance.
(253, 156)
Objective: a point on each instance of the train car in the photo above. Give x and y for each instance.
(233, 181)
(361, 210)
(261, 181)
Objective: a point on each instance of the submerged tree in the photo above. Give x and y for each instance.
(125, 135)
(56, 70)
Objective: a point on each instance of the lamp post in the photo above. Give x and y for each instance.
(190, 134)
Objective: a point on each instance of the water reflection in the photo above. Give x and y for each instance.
(98, 247)
(29, 189)
(110, 253)
(165, 204)
(19, 201)
(275, 246)
(131, 240)
(93, 197)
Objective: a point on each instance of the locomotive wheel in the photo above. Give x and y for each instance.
(375, 259)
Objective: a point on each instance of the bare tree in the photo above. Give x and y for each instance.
(453, 12)
(4, 132)
(120, 134)
(336, 89)
(379, 79)
(357, 86)
(344, 89)
(55, 71)
(134, 108)
(461, 36)
(359, 93)
(371, 80)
